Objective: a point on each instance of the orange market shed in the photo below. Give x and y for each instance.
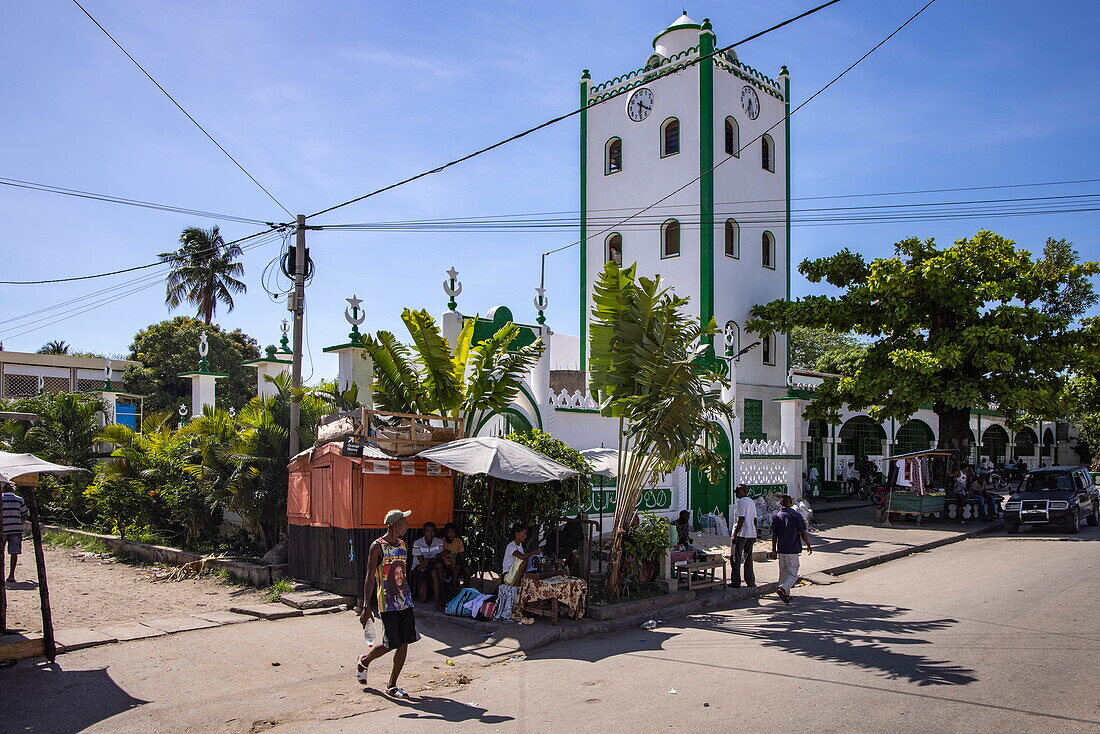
(335, 506)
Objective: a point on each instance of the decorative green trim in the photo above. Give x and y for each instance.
(771, 252)
(661, 139)
(671, 28)
(201, 372)
(534, 405)
(680, 245)
(251, 362)
(585, 77)
(505, 411)
(576, 410)
(349, 345)
(607, 157)
(706, 181)
(785, 76)
(647, 70)
(753, 457)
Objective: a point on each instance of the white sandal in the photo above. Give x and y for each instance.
(361, 670)
(395, 692)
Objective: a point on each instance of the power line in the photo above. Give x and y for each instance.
(559, 118)
(48, 188)
(181, 109)
(783, 119)
(739, 202)
(272, 228)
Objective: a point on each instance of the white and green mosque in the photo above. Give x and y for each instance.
(717, 129)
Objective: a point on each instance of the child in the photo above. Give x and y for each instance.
(454, 557)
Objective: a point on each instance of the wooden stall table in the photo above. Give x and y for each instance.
(700, 574)
(556, 590)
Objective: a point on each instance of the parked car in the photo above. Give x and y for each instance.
(1058, 495)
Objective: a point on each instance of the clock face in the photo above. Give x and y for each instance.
(750, 102)
(640, 105)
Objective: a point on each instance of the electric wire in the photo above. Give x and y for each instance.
(783, 119)
(48, 188)
(181, 108)
(605, 98)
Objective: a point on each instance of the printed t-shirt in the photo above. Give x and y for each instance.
(14, 511)
(392, 581)
(454, 547)
(745, 507)
(787, 527)
(424, 552)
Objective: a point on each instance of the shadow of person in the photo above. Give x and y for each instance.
(434, 708)
(31, 692)
(21, 585)
(847, 633)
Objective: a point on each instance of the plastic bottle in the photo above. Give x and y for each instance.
(370, 633)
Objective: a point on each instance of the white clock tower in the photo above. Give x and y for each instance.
(711, 135)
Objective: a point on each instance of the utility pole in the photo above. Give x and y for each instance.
(298, 306)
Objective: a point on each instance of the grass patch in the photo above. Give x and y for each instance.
(59, 539)
(277, 589)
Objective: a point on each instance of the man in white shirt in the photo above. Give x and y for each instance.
(744, 535)
(427, 553)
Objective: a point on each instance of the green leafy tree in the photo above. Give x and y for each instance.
(464, 380)
(204, 272)
(822, 349)
(979, 324)
(491, 509)
(1083, 400)
(64, 434)
(55, 347)
(170, 347)
(647, 369)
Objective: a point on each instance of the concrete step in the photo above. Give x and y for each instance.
(79, 638)
(267, 611)
(310, 598)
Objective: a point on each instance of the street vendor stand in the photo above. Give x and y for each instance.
(501, 460)
(916, 484)
(23, 470)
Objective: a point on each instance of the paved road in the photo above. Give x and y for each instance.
(986, 635)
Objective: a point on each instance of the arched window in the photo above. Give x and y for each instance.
(733, 137)
(731, 336)
(767, 153)
(614, 251)
(767, 250)
(767, 351)
(670, 239)
(733, 239)
(670, 137)
(613, 156)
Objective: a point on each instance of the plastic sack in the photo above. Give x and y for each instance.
(457, 607)
(805, 510)
(721, 527)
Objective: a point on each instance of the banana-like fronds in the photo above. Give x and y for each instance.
(433, 355)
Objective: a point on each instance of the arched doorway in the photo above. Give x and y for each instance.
(705, 496)
(815, 453)
(1024, 445)
(861, 437)
(995, 444)
(1047, 449)
(506, 421)
(916, 435)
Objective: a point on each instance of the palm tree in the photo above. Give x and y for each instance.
(204, 272)
(463, 381)
(55, 347)
(646, 370)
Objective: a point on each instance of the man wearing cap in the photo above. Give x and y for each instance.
(387, 583)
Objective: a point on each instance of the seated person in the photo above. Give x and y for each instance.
(514, 553)
(570, 539)
(683, 528)
(454, 558)
(427, 553)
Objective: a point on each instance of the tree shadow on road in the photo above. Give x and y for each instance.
(31, 693)
(846, 633)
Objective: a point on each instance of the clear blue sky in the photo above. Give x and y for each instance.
(327, 100)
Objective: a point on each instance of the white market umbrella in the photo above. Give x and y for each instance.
(605, 462)
(498, 458)
(16, 465)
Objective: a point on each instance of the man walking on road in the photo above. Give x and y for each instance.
(788, 534)
(387, 578)
(14, 511)
(744, 535)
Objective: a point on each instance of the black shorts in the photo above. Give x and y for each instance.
(398, 628)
